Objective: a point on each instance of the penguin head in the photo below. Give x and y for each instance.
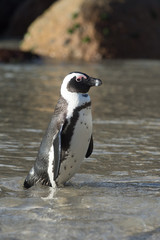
(77, 82)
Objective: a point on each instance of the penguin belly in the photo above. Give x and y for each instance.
(78, 147)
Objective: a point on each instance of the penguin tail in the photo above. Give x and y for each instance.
(30, 179)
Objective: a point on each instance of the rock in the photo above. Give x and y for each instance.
(16, 56)
(24, 15)
(93, 30)
(7, 8)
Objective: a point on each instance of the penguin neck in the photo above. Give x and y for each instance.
(75, 100)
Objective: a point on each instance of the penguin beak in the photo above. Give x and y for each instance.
(94, 82)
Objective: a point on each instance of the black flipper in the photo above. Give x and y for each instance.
(57, 153)
(39, 172)
(90, 148)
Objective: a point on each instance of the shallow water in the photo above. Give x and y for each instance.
(116, 194)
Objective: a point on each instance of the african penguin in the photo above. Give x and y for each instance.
(68, 139)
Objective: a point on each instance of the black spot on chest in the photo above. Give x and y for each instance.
(69, 126)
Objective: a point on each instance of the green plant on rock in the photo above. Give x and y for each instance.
(70, 30)
(75, 15)
(86, 39)
(76, 26)
(27, 34)
(104, 16)
(73, 28)
(105, 31)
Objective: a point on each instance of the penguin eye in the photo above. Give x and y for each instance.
(78, 79)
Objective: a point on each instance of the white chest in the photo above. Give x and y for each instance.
(78, 146)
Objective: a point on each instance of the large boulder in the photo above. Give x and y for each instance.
(92, 30)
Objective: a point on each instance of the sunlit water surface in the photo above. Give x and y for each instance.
(116, 194)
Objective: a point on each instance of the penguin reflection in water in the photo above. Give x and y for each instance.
(68, 138)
